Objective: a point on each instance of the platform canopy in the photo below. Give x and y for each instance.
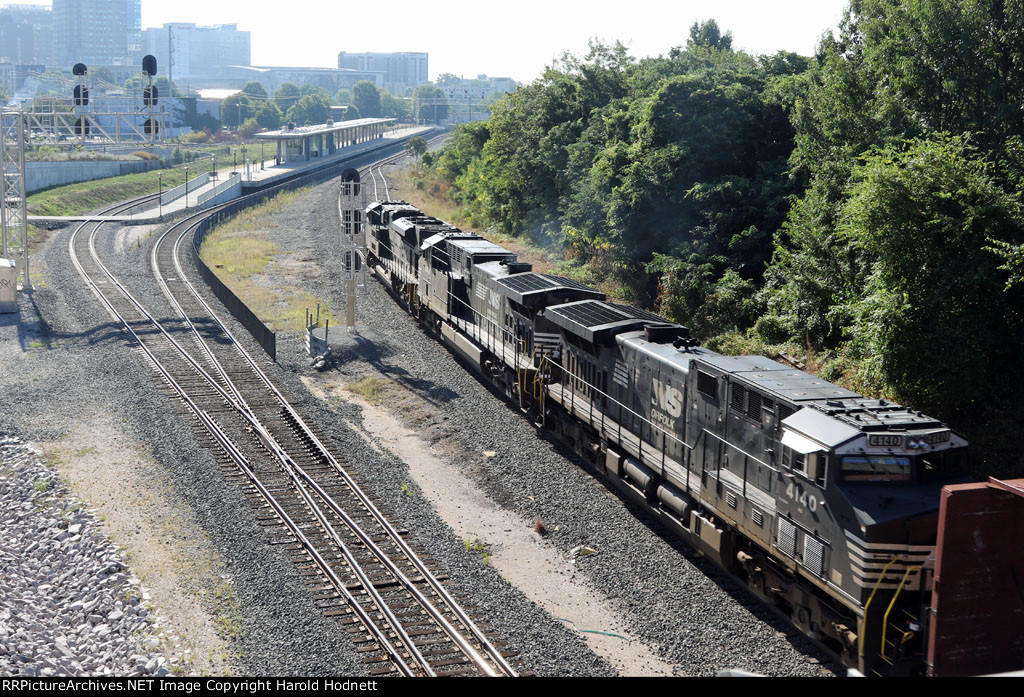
(336, 127)
(311, 142)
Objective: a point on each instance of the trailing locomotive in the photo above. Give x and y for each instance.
(825, 502)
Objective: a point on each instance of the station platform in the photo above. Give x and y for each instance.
(251, 176)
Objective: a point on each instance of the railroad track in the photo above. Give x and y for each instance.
(361, 569)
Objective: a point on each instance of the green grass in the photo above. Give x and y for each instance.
(374, 391)
(480, 548)
(82, 197)
(240, 256)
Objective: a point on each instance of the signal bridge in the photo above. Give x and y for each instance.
(58, 121)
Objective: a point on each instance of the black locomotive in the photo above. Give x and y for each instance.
(825, 502)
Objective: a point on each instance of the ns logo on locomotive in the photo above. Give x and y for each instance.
(823, 501)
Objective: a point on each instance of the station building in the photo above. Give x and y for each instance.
(305, 143)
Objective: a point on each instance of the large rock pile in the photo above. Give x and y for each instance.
(68, 604)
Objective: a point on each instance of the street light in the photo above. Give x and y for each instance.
(160, 199)
(186, 188)
(245, 162)
(214, 166)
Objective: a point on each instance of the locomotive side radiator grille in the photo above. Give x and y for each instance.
(546, 344)
(814, 555)
(787, 538)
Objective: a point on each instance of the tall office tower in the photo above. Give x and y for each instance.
(400, 72)
(26, 34)
(97, 32)
(198, 50)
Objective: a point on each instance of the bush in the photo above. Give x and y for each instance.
(196, 137)
(143, 155)
(249, 127)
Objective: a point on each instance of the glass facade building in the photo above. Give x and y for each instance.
(97, 32)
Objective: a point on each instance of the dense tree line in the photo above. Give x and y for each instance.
(862, 204)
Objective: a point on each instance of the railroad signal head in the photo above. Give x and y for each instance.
(353, 262)
(149, 65)
(81, 95)
(150, 95)
(151, 127)
(82, 127)
(79, 69)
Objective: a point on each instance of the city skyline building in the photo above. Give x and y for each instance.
(199, 51)
(26, 34)
(97, 32)
(400, 72)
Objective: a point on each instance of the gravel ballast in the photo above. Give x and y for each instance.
(68, 605)
(684, 607)
(63, 331)
(66, 360)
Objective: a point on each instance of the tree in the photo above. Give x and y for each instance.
(431, 103)
(417, 145)
(366, 99)
(269, 115)
(392, 107)
(935, 321)
(351, 114)
(310, 89)
(235, 109)
(255, 89)
(250, 127)
(707, 35)
(311, 109)
(447, 80)
(286, 95)
(897, 70)
(342, 97)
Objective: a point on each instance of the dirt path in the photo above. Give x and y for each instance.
(120, 480)
(508, 543)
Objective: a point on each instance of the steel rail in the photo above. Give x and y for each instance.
(225, 442)
(425, 572)
(456, 637)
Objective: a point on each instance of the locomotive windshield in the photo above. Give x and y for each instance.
(923, 469)
(939, 467)
(875, 468)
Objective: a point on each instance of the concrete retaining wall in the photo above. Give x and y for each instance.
(227, 190)
(179, 191)
(43, 175)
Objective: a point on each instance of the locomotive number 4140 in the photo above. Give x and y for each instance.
(802, 497)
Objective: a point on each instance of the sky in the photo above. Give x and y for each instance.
(500, 39)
